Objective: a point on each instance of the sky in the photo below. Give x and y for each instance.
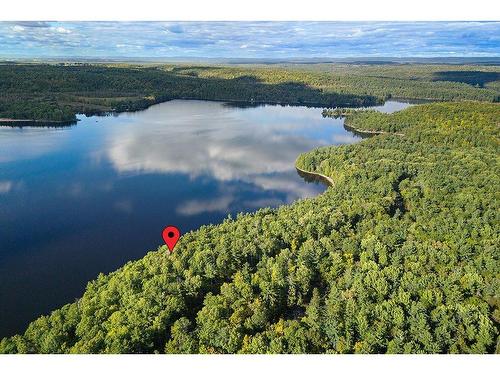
(248, 39)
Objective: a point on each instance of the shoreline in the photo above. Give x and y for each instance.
(329, 180)
(368, 132)
(235, 102)
(12, 122)
(361, 132)
(29, 120)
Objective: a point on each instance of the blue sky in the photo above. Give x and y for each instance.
(248, 39)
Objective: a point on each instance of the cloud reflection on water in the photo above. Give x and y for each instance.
(206, 139)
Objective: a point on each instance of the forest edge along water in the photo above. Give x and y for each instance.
(118, 174)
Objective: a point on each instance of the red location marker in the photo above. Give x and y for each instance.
(171, 235)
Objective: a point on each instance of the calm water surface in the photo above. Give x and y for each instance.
(85, 199)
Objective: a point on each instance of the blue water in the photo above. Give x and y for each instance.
(85, 199)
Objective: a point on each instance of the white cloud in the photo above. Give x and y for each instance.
(264, 202)
(224, 148)
(124, 206)
(62, 30)
(32, 142)
(5, 186)
(231, 146)
(196, 207)
(267, 39)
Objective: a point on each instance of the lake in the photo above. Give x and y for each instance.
(76, 201)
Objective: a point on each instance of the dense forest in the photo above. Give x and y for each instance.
(399, 255)
(56, 92)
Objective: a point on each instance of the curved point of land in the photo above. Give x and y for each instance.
(364, 132)
(322, 177)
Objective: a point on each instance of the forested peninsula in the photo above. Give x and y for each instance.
(399, 255)
(55, 93)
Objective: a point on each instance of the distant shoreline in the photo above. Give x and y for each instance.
(30, 122)
(26, 120)
(228, 101)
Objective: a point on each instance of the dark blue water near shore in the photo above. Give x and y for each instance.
(80, 200)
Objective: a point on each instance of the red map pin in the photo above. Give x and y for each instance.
(171, 235)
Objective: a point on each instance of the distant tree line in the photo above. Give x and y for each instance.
(58, 92)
